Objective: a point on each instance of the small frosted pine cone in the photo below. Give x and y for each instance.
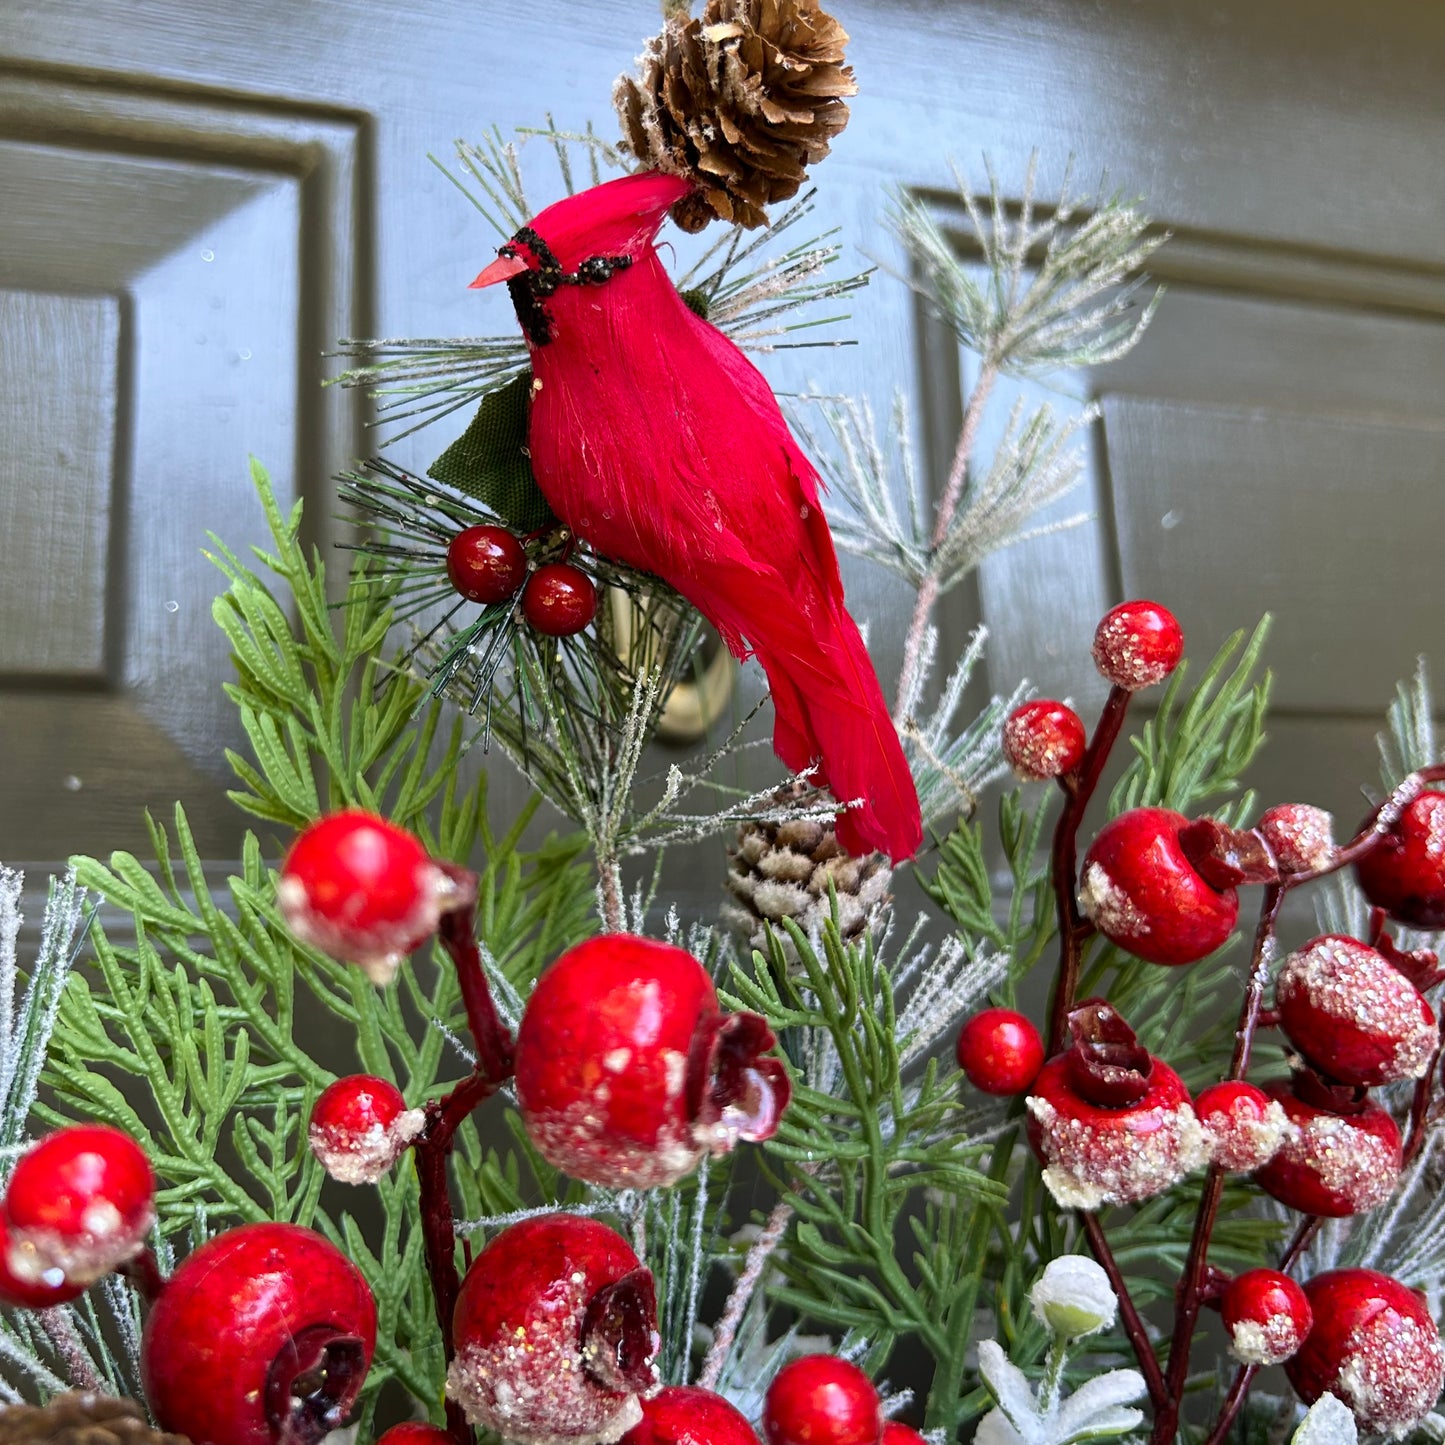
(740, 101)
(783, 870)
(81, 1420)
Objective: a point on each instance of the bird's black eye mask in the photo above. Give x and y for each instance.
(530, 288)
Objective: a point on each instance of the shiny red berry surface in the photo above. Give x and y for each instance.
(1043, 739)
(1000, 1051)
(35, 1294)
(362, 890)
(822, 1400)
(1332, 1164)
(1094, 1155)
(687, 1415)
(79, 1201)
(1404, 873)
(1141, 892)
(360, 1126)
(1266, 1316)
(897, 1433)
(414, 1433)
(1138, 644)
(1374, 1345)
(264, 1333)
(628, 1073)
(559, 600)
(556, 1334)
(1244, 1125)
(1354, 1015)
(486, 564)
(1301, 837)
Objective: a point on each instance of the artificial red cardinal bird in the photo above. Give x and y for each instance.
(660, 444)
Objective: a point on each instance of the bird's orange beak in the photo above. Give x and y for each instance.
(502, 269)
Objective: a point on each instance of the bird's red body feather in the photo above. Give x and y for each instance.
(657, 441)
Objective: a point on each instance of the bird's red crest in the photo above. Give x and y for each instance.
(617, 218)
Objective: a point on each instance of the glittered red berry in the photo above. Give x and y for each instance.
(1352, 1014)
(1243, 1124)
(363, 890)
(359, 1128)
(628, 1073)
(1043, 739)
(895, 1432)
(1404, 873)
(1140, 890)
(264, 1334)
(486, 564)
(44, 1293)
(1000, 1051)
(687, 1415)
(822, 1400)
(1110, 1123)
(79, 1201)
(1266, 1315)
(1374, 1345)
(559, 600)
(415, 1433)
(1301, 837)
(1138, 644)
(556, 1334)
(1330, 1163)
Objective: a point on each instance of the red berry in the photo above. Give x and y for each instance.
(1267, 1316)
(687, 1415)
(80, 1201)
(1043, 739)
(1138, 644)
(1374, 1345)
(415, 1433)
(559, 600)
(363, 890)
(264, 1333)
(359, 1128)
(1404, 873)
(1140, 890)
(1353, 1015)
(556, 1334)
(1000, 1051)
(45, 1293)
(897, 1433)
(822, 1400)
(1094, 1154)
(1301, 837)
(486, 564)
(1244, 1125)
(627, 1073)
(1332, 1164)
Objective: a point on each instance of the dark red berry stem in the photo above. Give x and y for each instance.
(1420, 1105)
(145, 1273)
(1128, 1311)
(1074, 928)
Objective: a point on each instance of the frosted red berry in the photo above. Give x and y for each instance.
(359, 1127)
(363, 890)
(486, 564)
(1266, 1316)
(415, 1433)
(556, 1334)
(897, 1433)
(1000, 1051)
(80, 1202)
(1138, 644)
(1243, 1124)
(1404, 873)
(822, 1400)
(1043, 739)
(1353, 1014)
(45, 1293)
(1332, 1164)
(628, 1072)
(688, 1415)
(264, 1333)
(1374, 1345)
(1139, 889)
(559, 599)
(1301, 837)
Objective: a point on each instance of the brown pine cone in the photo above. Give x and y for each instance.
(741, 102)
(81, 1420)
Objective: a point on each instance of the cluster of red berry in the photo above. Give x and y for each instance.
(1112, 1124)
(489, 564)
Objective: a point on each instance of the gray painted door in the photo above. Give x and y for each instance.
(199, 197)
